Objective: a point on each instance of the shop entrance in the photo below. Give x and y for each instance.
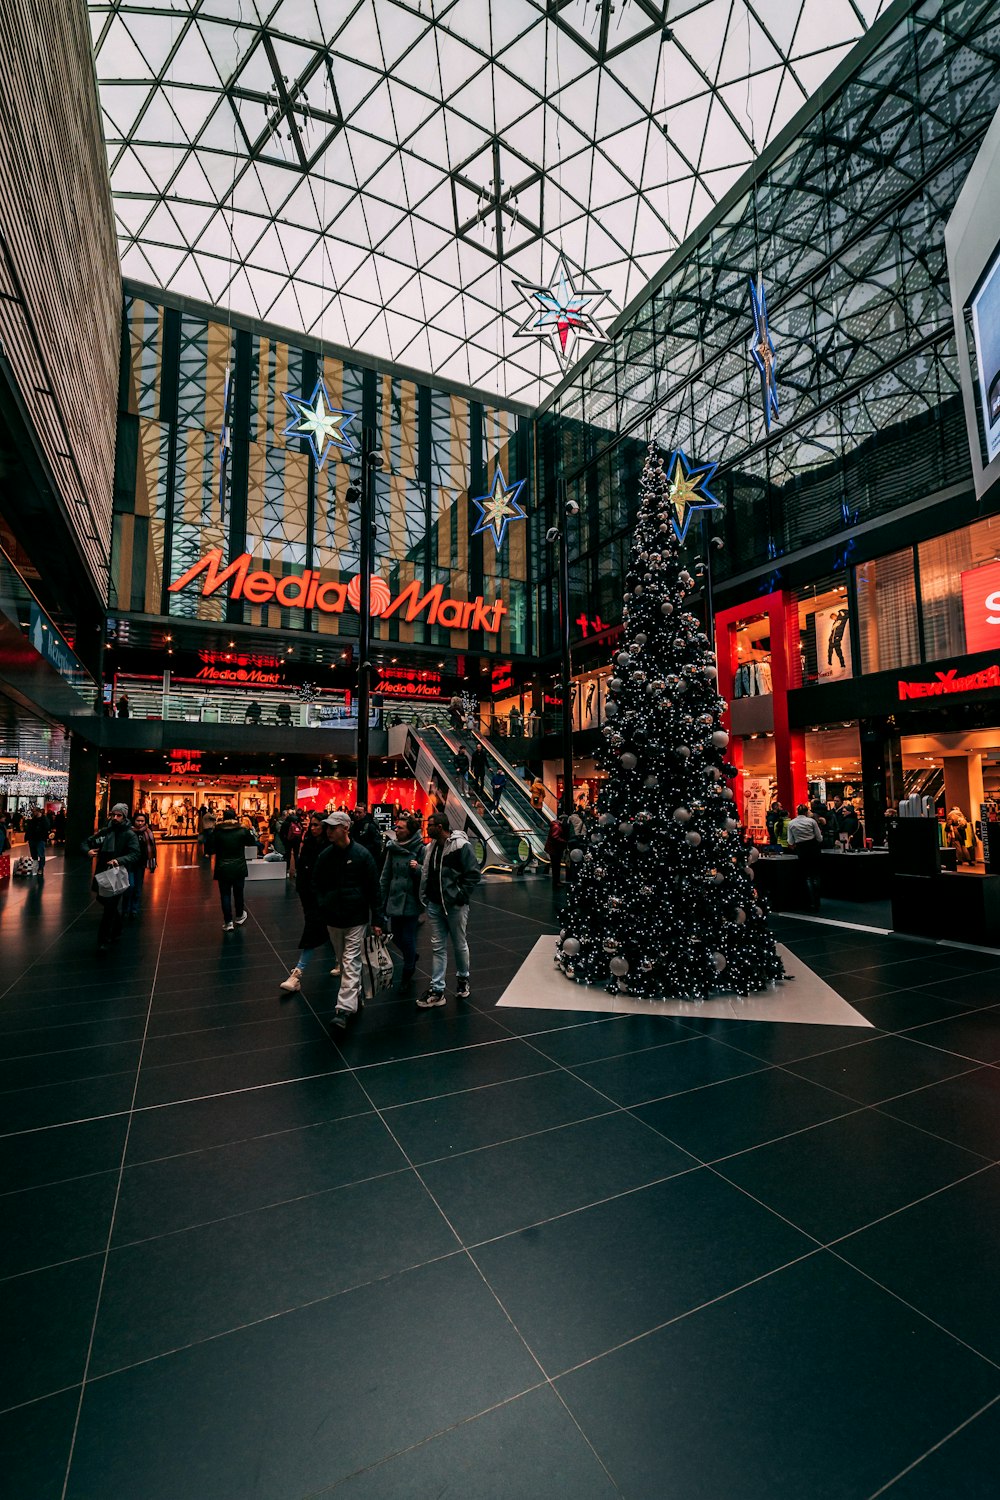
(960, 772)
(177, 806)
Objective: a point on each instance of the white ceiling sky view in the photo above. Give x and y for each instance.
(381, 173)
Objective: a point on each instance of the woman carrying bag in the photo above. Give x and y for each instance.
(147, 849)
(118, 854)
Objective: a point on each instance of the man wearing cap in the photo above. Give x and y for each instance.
(346, 886)
(116, 844)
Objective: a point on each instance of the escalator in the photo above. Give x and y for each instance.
(430, 756)
(515, 803)
(925, 783)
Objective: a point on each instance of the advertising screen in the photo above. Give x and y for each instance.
(981, 607)
(985, 310)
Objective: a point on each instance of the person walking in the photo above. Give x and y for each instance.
(400, 889)
(461, 766)
(555, 848)
(132, 900)
(498, 785)
(227, 841)
(805, 839)
(116, 844)
(449, 876)
(314, 934)
(36, 831)
(478, 768)
(365, 831)
(345, 880)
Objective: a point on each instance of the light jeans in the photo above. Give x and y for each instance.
(442, 923)
(348, 944)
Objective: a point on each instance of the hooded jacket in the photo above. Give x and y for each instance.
(400, 884)
(227, 841)
(460, 872)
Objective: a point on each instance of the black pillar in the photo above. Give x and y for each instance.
(81, 794)
(881, 772)
(369, 462)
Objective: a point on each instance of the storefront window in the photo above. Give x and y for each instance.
(753, 658)
(887, 612)
(824, 631)
(958, 574)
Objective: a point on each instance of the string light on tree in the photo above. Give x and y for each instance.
(661, 901)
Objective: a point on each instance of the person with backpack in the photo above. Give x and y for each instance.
(116, 845)
(537, 793)
(400, 886)
(227, 842)
(478, 768)
(450, 874)
(461, 768)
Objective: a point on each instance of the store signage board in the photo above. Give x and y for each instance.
(244, 675)
(950, 682)
(306, 591)
(981, 604)
(9, 765)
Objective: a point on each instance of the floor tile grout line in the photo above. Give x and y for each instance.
(58, 938)
(159, 1036)
(932, 1449)
(831, 1250)
(987, 1166)
(891, 1099)
(510, 1140)
(421, 1443)
(460, 1242)
(240, 1213)
(114, 1210)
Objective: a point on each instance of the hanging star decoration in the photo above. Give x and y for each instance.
(320, 422)
(688, 491)
(499, 508)
(761, 348)
(562, 312)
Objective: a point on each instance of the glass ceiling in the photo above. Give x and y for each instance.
(397, 176)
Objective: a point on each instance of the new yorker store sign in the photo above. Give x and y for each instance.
(306, 591)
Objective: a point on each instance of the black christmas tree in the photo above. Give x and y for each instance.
(661, 900)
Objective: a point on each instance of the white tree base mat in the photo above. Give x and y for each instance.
(806, 1000)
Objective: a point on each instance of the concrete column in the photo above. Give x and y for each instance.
(81, 794)
(963, 784)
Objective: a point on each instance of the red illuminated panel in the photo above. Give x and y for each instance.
(981, 602)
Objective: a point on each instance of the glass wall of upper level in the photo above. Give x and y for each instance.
(206, 464)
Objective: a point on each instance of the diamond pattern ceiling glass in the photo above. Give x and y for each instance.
(382, 174)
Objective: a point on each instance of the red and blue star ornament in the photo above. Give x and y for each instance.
(319, 421)
(762, 351)
(688, 491)
(562, 311)
(498, 508)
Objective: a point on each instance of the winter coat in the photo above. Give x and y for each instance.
(36, 830)
(227, 842)
(460, 873)
(400, 884)
(147, 848)
(309, 851)
(478, 764)
(346, 886)
(115, 841)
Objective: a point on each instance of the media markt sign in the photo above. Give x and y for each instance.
(306, 591)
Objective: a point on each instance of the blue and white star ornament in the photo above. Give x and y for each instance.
(320, 422)
(761, 348)
(498, 508)
(562, 311)
(688, 490)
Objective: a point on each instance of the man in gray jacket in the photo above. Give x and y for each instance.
(450, 874)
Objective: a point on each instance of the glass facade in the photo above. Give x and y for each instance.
(188, 378)
(845, 225)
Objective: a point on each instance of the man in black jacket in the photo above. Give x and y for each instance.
(365, 831)
(228, 841)
(346, 886)
(116, 844)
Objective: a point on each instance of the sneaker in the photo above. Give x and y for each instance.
(291, 985)
(432, 998)
(340, 1019)
(229, 927)
(463, 989)
(241, 920)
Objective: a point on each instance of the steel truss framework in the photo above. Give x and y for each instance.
(378, 173)
(847, 226)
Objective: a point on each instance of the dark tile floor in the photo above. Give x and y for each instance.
(481, 1252)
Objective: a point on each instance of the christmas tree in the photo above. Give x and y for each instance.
(661, 901)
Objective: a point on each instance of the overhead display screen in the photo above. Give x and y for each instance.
(985, 310)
